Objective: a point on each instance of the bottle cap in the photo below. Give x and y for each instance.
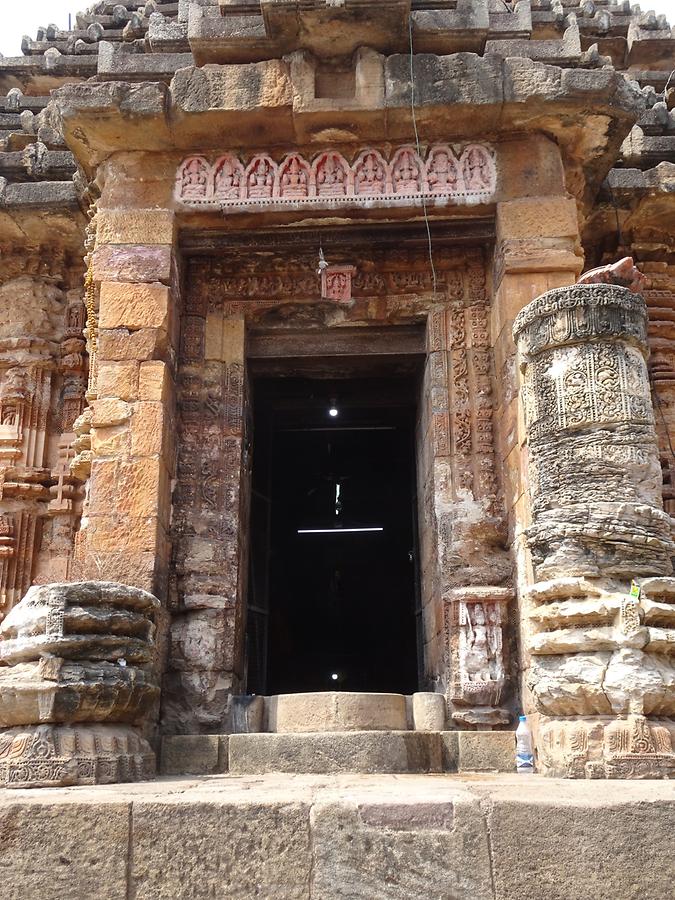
(522, 718)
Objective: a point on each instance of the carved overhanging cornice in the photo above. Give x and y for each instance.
(443, 176)
(261, 105)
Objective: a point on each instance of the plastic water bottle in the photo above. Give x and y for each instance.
(524, 753)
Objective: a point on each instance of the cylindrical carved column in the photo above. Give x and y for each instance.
(596, 651)
(78, 686)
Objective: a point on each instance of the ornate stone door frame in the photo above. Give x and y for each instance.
(273, 286)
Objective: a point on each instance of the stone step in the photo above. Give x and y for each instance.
(320, 753)
(329, 711)
(368, 752)
(372, 837)
(337, 711)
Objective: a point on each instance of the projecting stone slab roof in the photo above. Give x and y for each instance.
(134, 42)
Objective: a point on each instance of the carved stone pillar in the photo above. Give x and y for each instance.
(78, 684)
(596, 651)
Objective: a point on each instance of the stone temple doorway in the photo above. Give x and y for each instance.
(333, 596)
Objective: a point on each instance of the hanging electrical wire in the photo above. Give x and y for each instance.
(419, 151)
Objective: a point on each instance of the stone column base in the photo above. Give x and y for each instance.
(604, 747)
(65, 755)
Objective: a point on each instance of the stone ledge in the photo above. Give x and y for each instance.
(367, 752)
(341, 837)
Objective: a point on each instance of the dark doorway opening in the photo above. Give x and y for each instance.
(332, 586)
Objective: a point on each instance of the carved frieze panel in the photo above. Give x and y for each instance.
(458, 175)
(630, 747)
(241, 282)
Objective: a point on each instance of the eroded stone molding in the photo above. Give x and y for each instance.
(77, 685)
(448, 174)
(596, 650)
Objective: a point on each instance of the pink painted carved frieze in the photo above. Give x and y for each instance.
(477, 168)
(192, 180)
(331, 175)
(260, 177)
(443, 171)
(294, 178)
(459, 175)
(406, 172)
(228, 181)
(336, 283)
(370, 174)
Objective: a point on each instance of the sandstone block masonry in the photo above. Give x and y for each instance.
(455, 160)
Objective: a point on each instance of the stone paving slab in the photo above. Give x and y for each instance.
(341, 837)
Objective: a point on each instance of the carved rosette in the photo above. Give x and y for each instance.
(595, 475)
(77, 685)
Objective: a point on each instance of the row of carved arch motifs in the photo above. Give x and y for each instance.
(329, 175)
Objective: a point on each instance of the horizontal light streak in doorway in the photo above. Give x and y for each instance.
(335, 530)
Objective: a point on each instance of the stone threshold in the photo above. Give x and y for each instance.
(344, 837)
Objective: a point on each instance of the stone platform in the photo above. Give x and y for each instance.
(344, 837)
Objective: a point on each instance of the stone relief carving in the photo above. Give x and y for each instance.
(594, 462)
(476, 619)
(388, 285)
(466, 175)
(228, 178)
(336, 283)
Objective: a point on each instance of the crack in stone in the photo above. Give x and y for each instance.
(485, 807)
(130, 890)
